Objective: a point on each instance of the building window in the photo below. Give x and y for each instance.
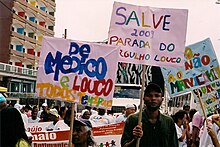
(24, 33)
(51, 28)
(14, 87)
(11, 46)
(13, 29)
(51, 13)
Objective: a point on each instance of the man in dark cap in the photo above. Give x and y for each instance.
(157, 130)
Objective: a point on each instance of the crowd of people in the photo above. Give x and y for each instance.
(186, 128)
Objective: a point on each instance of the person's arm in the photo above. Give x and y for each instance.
(194, 136)
(185, 131)
(213, 137)
(216, 119)
(128, 138)
(183, 135)
(137, 133)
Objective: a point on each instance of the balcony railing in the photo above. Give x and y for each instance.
(17, 70)
(21, 95)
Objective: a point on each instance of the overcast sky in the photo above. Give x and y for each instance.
(88, 20)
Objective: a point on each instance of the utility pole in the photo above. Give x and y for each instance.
(65, 33)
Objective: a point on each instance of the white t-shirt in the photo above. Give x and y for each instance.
(100, 120)
(30, 120)
(60, 125)
(205, 139)
(121, 118)
(179, 131)
(39, 113)
(25, 118)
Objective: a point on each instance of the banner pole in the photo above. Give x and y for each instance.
(141, 100)
(71, 124)
(203, 110)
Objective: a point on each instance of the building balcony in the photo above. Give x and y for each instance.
(19, 4)
(21, 95)
(23, 57)
(22, 2)
(15, 34)
(32, 7)
(16, 71)
(32, 24)
(52, 3)
(41, 12)
(32, 40)
(52, 18)
(45, 29)
(39, 42)
(29, 56)
(18, 18)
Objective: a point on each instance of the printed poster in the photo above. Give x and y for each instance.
(210, 96)
(149, 35)
(42, 138)
(78, 72)
(201, 69)
(109, 135)
(104, 136)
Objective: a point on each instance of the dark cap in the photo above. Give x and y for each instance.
(83, 123)
(152, 87)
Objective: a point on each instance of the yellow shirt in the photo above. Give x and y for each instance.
(22, 143)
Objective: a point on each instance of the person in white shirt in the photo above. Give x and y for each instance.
(210, 129)
(57, 123)
(182, 128)
(101, 119)
(20, 108)
(34, 118)
(129, 109)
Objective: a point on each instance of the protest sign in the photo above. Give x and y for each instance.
(148, 35)
(77, 72)
(201, 69)
(109, 135)
(38, 127)
(51, 138)
(210, 97)
(41, 137)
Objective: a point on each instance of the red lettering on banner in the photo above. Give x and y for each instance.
(114, 129)
(50, 136)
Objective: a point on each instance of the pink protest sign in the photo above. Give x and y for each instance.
(147, 35)
(77, 71)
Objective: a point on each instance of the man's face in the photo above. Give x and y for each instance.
(3, 105)
(153, 100)
(80, 134)
(86, 115)
(34, 115)
(187, 108)
(130, 111)
(44, 108)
